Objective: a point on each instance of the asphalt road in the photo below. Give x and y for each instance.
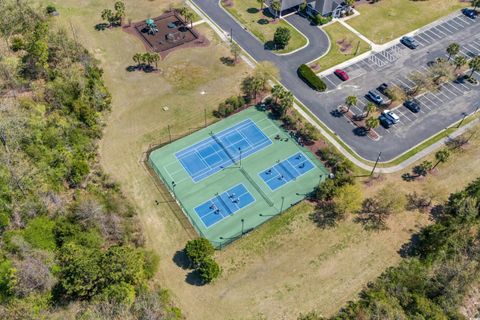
(387, 66)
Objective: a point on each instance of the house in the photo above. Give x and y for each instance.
(323, 7)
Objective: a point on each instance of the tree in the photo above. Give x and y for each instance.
(441, 156)
(277, 91)
(459, 61)
(281, 37)
(276, 6)
(155, 58)
(119, 7)
(209, 270)
(474, 64)
(349, 3)
(235, 50)
(351, 101)
(423, 168)
(475, 4)
(189, 16)
(261, 4)
(137, 58)
(349, 198)
(251, 86)
(369, 107)
(372, 123)
(197, 250)
(452, 50)
(286, 102)
(122, 264)
(107, 15)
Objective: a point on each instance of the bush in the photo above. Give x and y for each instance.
(197, 250)
(17, 44)
(307, 75)
(281, 37)
(209, 270)
(321, 20)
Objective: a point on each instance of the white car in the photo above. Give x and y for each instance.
(391, 115)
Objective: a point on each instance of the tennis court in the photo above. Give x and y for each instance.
(224, 205)
(286, 170)
(222, 150)
(236, 174)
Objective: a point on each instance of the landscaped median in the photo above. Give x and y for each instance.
(384, 21)
(345, 45)
(262, 24)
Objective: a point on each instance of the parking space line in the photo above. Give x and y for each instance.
(458, 24)
(443, 27)
(451, 25)
(406, 85)
(330, 81)
(454, 93)
(460, 91)
(465, 54)
(438, 30)
(431, 99)
(441, 93)
(424, 104)
(433, 34)
(465, 20)
(469, 48)
(420, 39)
(475, 46)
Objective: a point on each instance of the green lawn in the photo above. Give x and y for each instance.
(387, 20)
(249, 14)
(344, 46)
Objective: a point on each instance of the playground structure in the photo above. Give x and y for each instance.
(166, 32)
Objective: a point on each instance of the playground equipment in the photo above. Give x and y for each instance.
(151, 26)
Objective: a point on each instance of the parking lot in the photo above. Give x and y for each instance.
(393, 66)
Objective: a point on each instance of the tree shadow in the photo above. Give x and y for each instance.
(269, 45)
(360, 131)
(437, 212)
(193, 278)
(267, 13)
(181, 259)
(336, 113)
(253, 10)
(407, 249)
(263, 21)
(227, 61)
(101, 26)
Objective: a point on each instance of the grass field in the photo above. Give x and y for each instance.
(386, 20)
(249, 14)
(288, 265)
(344, 46)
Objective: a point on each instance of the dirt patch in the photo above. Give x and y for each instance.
(345, 46)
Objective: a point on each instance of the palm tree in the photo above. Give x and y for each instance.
(350, 101)
(475, 4)
(474, 64)
(459, 61)
(155, 57)
(441, 156)
(370, 107)
(189, 15)
(453, 49)
(277, 92)
(137, 58)
(372, 123)
(147, 58)
(276, 6)
(235, 50)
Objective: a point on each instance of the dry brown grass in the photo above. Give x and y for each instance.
(287, 266)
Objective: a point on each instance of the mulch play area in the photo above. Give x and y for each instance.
(166, 33)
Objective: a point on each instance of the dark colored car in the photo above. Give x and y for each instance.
(412, 106)
(385, 121)
(409, 42)
(375, 97)
(472, 14)
(341, 74)
(382, 88)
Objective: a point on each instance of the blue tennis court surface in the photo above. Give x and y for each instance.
(223, 205)
(223, 149)
(286, 171)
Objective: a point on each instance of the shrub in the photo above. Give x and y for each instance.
(50, 9)
(197, 250)
(307, 75)
(281, 37)
(209, 270)
(321, 20)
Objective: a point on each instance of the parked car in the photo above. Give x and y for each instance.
(382, 88)
(472, 14)
(341, 74)
(375, 97)
(385, 122)
(412, 106)
(409, 42)
(391, 115)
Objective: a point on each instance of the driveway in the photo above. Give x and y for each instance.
(385, 66)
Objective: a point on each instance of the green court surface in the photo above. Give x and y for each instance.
(236, 174)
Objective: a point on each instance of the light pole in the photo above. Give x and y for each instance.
(173, 188)
(281, 207)
(376, 162)
(240, 151)
(464, 116)
(243, 221)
